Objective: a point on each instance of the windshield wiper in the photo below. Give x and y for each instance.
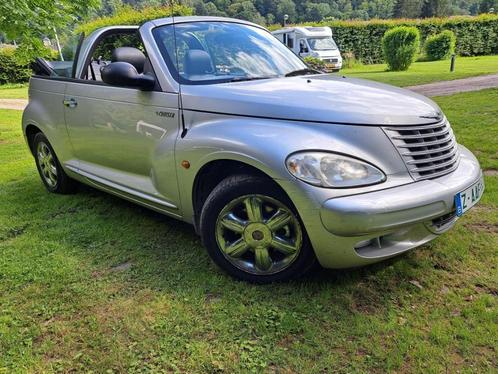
(305, 71)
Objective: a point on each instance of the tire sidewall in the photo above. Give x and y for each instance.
(227, 191)
(40, 138)
(64, 184)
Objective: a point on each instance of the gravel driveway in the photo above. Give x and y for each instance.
(446, 88)
(18, 104)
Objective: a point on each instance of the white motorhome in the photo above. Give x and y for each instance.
(312, 41)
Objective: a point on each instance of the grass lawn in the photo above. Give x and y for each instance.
(92, 283)
(427, 72)
(14, 91)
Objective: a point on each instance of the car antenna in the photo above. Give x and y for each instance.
(180, 101)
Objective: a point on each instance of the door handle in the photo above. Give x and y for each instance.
(70, 103)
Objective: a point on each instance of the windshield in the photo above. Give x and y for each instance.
(322, 44)
(217, 52)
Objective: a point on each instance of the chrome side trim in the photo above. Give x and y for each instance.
(116, 188)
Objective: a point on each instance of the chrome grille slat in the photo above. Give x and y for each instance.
(415, 128)
(426, 144)
(437, 158)
(423, 136)
(429, 151)
(435, 166)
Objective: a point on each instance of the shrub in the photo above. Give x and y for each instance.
(11, 70)
(440, 46)
(400, 46)
(314, 63)
(475, 35)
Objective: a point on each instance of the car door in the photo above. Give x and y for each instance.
(123, 140)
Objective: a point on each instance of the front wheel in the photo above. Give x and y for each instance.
(252, 230)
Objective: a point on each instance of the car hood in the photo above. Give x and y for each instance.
(317, 98)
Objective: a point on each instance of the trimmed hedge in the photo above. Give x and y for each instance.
(129, 16)
(475, 35)
(440, 46)
(11, 70)
(400, 46)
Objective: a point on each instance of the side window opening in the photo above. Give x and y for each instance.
(102, 52)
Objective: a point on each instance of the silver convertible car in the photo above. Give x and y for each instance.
(215, 122)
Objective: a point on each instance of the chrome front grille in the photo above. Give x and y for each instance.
(429, 151)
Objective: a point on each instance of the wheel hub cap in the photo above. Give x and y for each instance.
(258, 234)
(46, 161)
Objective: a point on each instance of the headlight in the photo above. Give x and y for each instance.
(332, 170)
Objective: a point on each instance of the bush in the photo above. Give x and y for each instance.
(440, 46)
(400, 46)
(314, 63)
(11, 70)
(126, 15)
(475, 35)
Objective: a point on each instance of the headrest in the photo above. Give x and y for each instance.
(130, 55)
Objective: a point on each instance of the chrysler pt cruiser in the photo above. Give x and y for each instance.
(213, 121)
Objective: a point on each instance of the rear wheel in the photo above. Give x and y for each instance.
(252, 230)
(52, 175)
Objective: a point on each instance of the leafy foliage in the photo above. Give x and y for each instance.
(400, 46)
(11, 70)
(314, 63)
(440, 46)
(129, 16)
(273, 11)
(27, 20)
(14, 66)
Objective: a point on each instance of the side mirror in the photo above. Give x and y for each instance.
(123, 74)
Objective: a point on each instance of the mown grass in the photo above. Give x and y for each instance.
(89, 282)
(14, 91)
(426, 72)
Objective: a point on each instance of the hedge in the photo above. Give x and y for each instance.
(475, 35)
(11, 70)
(129, 16)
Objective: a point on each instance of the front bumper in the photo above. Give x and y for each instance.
(361, 229)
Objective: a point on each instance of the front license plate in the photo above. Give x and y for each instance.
(468, 198)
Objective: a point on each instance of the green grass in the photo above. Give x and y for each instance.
(91, 283)
(14, 91)
(427, 72)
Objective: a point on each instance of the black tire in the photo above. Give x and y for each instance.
(239, 187)
(62, 183)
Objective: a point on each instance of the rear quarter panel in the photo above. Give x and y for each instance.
(45, 110)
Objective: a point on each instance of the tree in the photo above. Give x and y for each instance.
(284, 7)
(317, 12)
(26, 21)
(487, 5)
(245, 10)
(435, 8)
(407, 8)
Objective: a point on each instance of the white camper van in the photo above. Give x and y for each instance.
(312, 41)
